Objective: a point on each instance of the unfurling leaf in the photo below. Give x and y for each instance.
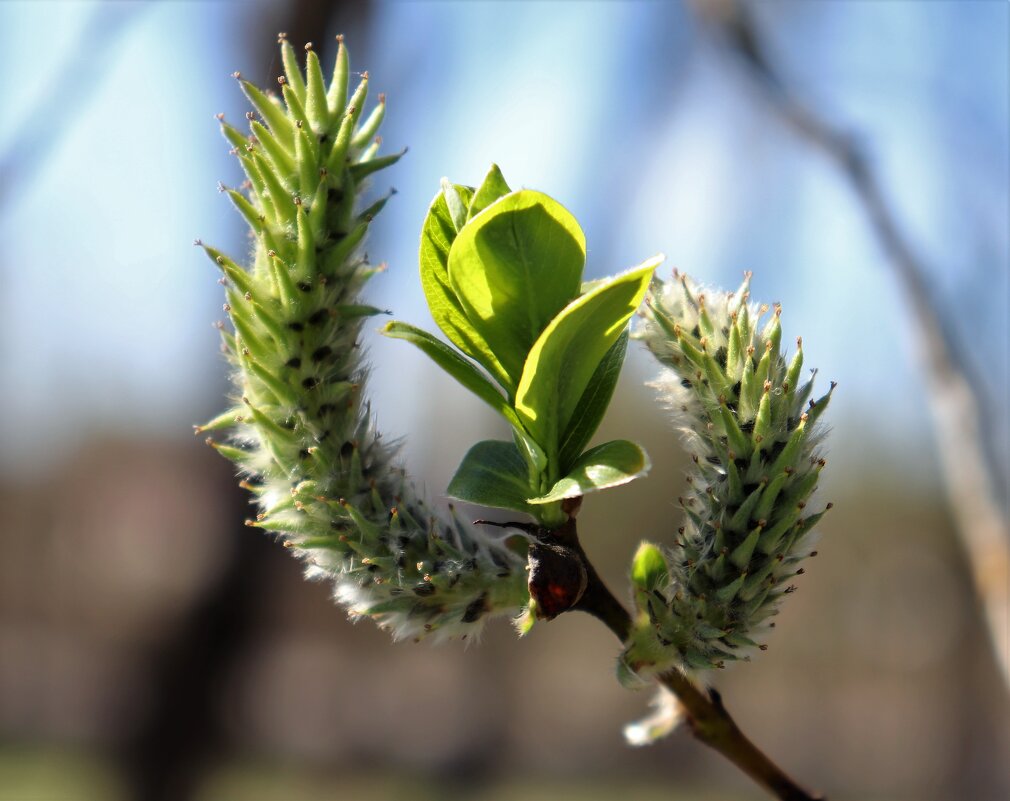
(493, 473)
(492, 187)
(502, 273)
(593, 404)
(608, 465)
(565, 356)
(513, 268)
(455, 365)
(437, 236)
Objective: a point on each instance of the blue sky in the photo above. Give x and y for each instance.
(625, 112)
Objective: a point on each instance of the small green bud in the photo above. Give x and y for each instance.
(648, 568)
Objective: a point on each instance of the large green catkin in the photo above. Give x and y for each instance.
(751, 429)
(300, 429)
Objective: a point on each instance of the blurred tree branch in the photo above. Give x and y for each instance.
(180, 734)
(971, 480)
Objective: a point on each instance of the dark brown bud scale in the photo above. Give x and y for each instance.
(557, 578)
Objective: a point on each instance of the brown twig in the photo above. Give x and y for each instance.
(713, 725)
(957, 414)
(708, 719)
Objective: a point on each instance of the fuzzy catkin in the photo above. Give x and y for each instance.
(300, 429)
(752, 431)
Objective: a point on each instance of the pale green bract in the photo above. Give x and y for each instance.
(502, 273)
(301, 431)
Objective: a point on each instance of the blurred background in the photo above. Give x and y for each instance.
(151, 647)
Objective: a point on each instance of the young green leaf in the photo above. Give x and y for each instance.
(492, 187)
(608, 465)
(456, 366)
(437, 236)
(593, 404)
(493, 473)
(567, 353)
(514, 268)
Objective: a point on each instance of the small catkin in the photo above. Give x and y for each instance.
(300, 429)
(753, 432)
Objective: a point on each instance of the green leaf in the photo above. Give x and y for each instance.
(593, 404)
(566, 355)
(493, 473)
(648, 567)
(608, 465)
(456, 366)
(513, 268)
(437, 236)
(492, 187)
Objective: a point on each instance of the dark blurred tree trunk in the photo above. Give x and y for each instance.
(179, 736)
